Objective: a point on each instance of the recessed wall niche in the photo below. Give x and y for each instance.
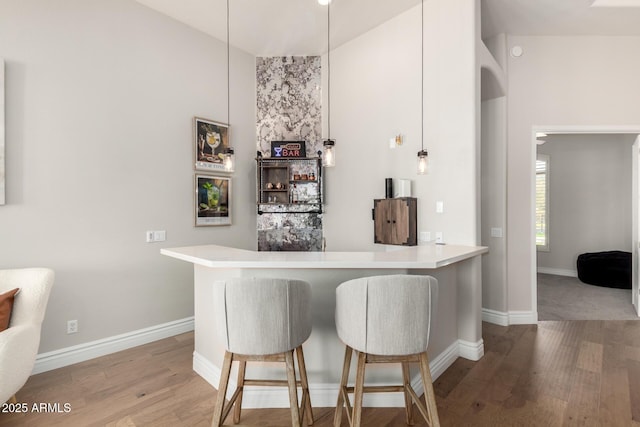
(289, 108)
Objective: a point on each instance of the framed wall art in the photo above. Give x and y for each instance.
(212, 200)
(211, 140)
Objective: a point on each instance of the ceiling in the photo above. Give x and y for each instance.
(299, 27)
(282, 27)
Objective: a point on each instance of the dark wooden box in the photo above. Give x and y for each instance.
(395, 221)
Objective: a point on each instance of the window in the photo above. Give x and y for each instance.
(542, 202)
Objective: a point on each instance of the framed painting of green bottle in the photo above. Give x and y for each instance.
(212, 200)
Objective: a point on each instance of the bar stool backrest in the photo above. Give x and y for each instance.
(386, 315)
(260, 316)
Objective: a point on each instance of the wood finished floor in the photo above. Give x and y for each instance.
(569, 373)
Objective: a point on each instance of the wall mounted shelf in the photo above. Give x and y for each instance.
(289, 185)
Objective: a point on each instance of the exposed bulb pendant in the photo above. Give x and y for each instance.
(328, 155)
(423, 162)
(228, 160)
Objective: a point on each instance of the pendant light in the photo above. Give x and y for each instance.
(329, 155)
(423, 155)
(229, 158)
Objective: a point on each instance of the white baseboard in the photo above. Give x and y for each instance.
(495, 317)
(510, 318)
(79, 353)
(471, 350)
(523, 317)
(558, 271)
(323, 395)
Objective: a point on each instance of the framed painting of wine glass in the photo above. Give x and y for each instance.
(211, 140)
(212, 200)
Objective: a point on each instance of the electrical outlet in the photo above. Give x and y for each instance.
(72, 326)
(156, 236)
(439, 238)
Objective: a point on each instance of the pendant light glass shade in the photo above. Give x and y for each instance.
(423, 162)
(329, 155)
(229, 159)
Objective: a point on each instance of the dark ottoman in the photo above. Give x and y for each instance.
(610, 269)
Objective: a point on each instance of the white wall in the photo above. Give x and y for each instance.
(559, 81)
(493, 159)
(589, 197)
(375, 95)
(100, 98)
(493, 211)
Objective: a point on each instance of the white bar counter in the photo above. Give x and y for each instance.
(457, 331)
(431, 256)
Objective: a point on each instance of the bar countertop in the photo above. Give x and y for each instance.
(414, 257)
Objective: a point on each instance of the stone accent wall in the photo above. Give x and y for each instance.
(289, 101)
(289, 108)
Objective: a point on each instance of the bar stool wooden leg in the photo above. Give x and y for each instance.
(429, 394)
(242, 368)
(13, 399)
(293, 388)
(222, 390)
(359, 390)
(408, 401)
(342, 391)
(307, 411)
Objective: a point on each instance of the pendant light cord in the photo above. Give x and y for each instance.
(422, 78)
(228, 72)
(329, 71)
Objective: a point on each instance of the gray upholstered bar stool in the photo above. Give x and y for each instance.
(263, 319)
(386, 319)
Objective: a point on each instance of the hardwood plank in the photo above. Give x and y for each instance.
(590, 357)
(634, 388)
(548, 411)
(615, 401)
(452, 376)
(584, 401)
